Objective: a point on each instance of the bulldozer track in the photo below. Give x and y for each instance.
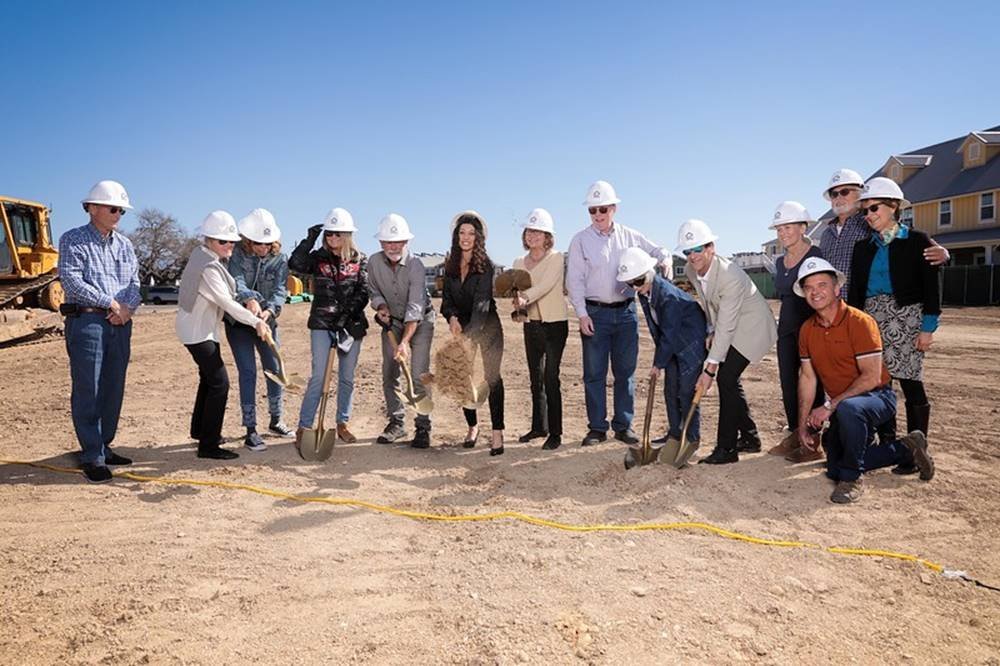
(8, 292)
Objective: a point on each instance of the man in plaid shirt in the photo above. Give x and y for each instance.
(99, 273)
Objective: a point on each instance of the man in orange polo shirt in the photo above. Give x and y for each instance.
(841, 345)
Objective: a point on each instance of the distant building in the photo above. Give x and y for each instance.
(432, 262)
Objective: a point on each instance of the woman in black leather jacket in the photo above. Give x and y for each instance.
(337, 318)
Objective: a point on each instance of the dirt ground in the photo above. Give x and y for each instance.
(134, 572)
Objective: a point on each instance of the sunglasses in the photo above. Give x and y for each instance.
(224, 242)
(693, 250)
(116, 210)
(336, 233)
(871, 209)
(259, 244)
(599, 209)
(638, 282)
(840, 193)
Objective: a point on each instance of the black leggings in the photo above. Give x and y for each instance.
(490, 345)
(913, 391)
(544, 343)
(213, 392)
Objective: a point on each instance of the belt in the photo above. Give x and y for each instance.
(602, 304)
(84, 309)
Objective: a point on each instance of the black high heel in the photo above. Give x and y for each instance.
(470, 443)
(497, 451)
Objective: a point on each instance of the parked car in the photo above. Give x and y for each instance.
(161, 294)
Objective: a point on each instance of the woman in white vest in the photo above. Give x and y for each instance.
(207, 292)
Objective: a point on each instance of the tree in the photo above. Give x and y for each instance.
(162, 247)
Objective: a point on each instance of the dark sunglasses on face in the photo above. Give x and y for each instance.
(224, 242)
(840, 193)
(688, 252)
(871, 209)
(336, 233)
(637, 282)
(599, 209)
(115, 210)
(259, 244)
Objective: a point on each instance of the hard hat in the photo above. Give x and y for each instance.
(790, 212)
(482, 222)
(815, 265)
(601, 194)
(540, 220)
(843, 177)
(339, 219)
(219, 225)
(259, 226)
(634, 262)
(108, 193)
(883, 188)
(692, 234)
(393, 227)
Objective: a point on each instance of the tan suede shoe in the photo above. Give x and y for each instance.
(344, 434)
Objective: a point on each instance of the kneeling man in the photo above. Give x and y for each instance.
(841, 345)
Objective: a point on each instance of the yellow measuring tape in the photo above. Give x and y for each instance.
(517, 516)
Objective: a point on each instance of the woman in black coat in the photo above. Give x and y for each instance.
(467, 305)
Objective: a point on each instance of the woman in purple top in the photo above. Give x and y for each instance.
(790, 221)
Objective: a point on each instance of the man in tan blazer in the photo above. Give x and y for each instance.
(741, 330)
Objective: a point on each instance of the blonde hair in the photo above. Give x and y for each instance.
(549, 240)
(348, 250)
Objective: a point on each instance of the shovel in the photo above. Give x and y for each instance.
(686, 448)
(421, 402)
(292, 382)
(478, 391)
(316, 444)
(645, 452)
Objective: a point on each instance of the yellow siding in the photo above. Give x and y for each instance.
(964, 214)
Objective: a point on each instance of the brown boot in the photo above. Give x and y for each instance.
(344, 434)
(804, 455)
(789, 444)
(298, 438)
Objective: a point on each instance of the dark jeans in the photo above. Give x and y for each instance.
(788, 372)
(544, 343)
(490, 345)
(98, 359)
(213, 391)
(678, 390)
(734, 412)
(849, 440)
(615, 338)
(243, 340)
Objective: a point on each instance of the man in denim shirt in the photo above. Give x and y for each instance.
(99, 273)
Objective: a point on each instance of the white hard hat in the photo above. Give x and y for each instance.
(339, 219)
(108, 193)
(219, 225)
(692, 234)
(815, 265)
(601, 193)
(454, 221)
(393, 227)
(259, 226)
(883, 188)
(540, 220)
(790, 212)
(633, 263)
(843, 177)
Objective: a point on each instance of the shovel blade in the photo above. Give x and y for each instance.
(684, 453)
(315, 445)
(669, 451)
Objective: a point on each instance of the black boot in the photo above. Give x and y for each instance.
(917, 418)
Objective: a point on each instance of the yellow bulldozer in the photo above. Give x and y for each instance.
(30, 293)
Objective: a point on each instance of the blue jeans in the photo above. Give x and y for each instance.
(616, 336)
(242, 341)
(849, 441)
(98, 359)
(321, 343)
(678, 389)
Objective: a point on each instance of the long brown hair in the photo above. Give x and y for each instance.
(479, 261)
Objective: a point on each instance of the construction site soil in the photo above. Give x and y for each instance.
(137, 572)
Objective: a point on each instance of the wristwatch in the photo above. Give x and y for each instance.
(827, 405)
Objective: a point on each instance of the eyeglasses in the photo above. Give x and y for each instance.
(336, 233)
(841, 193)
(259, 244)
(871, 209)
(599, 209)
(116, 210)
(638, 282)
(224, 242)
(693, 250)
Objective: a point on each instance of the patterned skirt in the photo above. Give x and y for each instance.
(899, 327)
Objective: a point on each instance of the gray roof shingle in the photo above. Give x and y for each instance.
(944, 177)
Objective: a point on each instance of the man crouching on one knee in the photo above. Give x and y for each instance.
(841, 346)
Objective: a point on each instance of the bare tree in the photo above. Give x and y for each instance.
(162, 247)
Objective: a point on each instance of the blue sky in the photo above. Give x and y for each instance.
(714, 110)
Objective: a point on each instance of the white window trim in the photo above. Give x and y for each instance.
(989, 220)
(950, 213)
(907, 216)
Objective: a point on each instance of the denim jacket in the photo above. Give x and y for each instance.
(261, 279)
